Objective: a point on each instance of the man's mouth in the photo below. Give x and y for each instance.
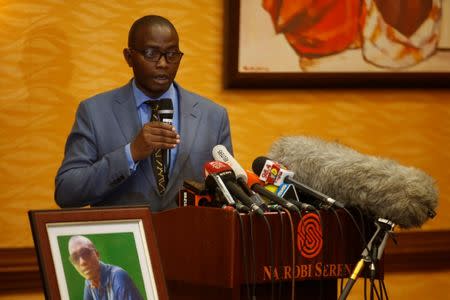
(161, 79)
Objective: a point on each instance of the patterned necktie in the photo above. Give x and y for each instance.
(157, 158)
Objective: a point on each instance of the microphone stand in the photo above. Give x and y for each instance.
(371, 254)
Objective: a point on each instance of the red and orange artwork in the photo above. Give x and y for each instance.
(387, 34)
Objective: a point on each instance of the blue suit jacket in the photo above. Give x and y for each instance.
(95, 170)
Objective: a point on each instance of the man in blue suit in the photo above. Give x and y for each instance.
(107, 154)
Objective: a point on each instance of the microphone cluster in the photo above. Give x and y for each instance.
(344, 174)
(319, 173)
(228, 184)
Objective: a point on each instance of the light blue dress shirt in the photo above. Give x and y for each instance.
(144, 115)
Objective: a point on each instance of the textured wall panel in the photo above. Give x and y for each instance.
(53, 54)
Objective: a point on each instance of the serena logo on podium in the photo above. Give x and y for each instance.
(309, 236)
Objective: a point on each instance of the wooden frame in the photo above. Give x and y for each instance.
(237, 74)
(110, 229)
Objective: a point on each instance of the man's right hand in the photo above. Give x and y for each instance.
(154, 135)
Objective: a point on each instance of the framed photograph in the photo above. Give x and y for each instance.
(92, 253)
(344, 43)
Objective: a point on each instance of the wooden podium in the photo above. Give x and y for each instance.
(213, 253)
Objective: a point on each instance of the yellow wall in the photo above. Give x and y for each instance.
(53, 54)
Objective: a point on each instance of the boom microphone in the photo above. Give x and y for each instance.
(226, 174)
(380, 187)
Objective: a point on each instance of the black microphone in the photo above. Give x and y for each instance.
(379, 187)
(255, 185)
(274, 173)
(165, 115)
(225, 172)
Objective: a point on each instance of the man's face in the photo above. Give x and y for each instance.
(86, 260)
(153, 78)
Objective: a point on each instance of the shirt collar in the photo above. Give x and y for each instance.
(140, 97)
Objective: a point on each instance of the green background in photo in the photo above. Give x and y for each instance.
(117, 249)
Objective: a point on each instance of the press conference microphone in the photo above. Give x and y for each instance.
(255, 184)
(165, 115)
(379, 187)
(272, 172)
(225, 172)
(213, 181)
(220, 153)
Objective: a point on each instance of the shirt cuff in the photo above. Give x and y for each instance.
(131, 164)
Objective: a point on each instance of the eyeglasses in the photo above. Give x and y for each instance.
(84, 253)
(155, 55)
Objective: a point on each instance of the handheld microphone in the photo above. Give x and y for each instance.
(220, 153)
(274, 173)
(165, 115)
(228, 177)
(379, 187)
(165, 111)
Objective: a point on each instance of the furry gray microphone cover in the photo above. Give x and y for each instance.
(379, 187)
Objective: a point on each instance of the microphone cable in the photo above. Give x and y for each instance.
(291, 223)
(341, 232)
(244, 254)
(282, 241)
(272, 256)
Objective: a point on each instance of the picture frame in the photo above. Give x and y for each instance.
(255, 56)
(122, 236)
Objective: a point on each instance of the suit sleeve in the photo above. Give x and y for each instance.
(224, 137)
(84, 177)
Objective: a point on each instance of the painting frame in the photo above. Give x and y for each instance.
(234, 78)
(48, 226)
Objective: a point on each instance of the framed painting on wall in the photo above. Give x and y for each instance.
(337, 43)
(96, 252)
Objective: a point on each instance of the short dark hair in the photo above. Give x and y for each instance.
(147, 21)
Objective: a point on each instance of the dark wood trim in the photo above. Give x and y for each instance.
(416, 251)
(19, 270)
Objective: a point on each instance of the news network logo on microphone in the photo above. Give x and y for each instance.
(222, 155)
(309, 236)
(269, 173)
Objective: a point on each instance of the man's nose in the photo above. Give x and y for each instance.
(162, 62)
(81, 261)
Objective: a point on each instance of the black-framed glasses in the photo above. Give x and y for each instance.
(155, 55)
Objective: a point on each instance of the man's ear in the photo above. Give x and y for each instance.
(127, 56)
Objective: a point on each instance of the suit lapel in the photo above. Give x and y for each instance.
(125, 111)
(189, 122)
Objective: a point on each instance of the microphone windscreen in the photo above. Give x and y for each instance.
(380, 187)
(165, 104)
(220, 153)
(258, 164)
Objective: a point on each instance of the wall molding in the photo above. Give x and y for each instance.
(416, 251)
